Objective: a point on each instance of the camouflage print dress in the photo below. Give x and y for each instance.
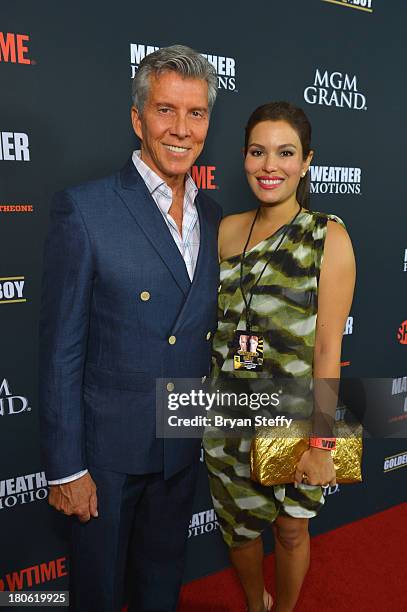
(284, 310)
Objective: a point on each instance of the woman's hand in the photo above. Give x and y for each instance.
(318, 467)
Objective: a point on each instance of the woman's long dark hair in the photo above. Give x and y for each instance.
(294, 116)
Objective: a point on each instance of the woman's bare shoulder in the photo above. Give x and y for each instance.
(231, 231)
(232, 222)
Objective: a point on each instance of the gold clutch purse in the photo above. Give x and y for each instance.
(275, 452)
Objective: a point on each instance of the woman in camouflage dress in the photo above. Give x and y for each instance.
(299, 308)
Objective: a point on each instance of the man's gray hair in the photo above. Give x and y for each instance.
(177, 58)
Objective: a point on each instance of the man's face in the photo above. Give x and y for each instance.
(243, 342)
(173, 124)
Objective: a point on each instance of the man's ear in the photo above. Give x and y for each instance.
(136, 122)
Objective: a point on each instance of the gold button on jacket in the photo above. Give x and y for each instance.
(172, 339)
(145, 296)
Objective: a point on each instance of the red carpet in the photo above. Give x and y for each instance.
(360, 567)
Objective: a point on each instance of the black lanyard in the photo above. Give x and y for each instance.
(247, 303)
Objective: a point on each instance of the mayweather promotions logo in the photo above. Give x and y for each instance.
(14, 48)
(36, 574)
(399, 387)
(335, 89)
(348, 331)
(225, 66)
(402, 333)
(12, 289)
(14, 146)
(330, 490)
(9, 403)
(361, 5)
(23, 490)
(203, 522)
(204, 177)
(348, 327)
(335, 180)
(395, 462)
(225, 69)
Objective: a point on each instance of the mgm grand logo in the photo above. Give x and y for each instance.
(9, 403)
(335, 89)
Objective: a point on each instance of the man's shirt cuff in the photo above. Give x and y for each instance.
(68, 478)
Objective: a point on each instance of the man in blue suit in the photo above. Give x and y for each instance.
(129, 296)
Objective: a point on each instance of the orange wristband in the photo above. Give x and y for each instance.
(328, 444)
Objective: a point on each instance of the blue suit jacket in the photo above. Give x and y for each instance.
(102, 346)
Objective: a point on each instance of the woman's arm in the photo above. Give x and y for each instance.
(335, 293)
(336, 285)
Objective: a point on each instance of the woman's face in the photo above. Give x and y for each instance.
(274, 162)
(253, 342)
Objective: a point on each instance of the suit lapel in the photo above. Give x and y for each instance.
(203, 240)
(204, 225)
(135, 195)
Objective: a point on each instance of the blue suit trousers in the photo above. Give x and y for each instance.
(142, 524)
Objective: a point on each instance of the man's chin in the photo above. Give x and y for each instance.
(178, 168)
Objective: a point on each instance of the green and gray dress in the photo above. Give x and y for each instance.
(284, 311)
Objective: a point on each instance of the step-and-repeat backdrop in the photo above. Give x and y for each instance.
(65, 76)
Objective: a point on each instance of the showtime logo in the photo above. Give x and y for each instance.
(361, 5)
(23, 490)
(12, 289)
(335, 180)
(36, 574)
(13, 48)
(14, 146)
(203, 522)
(204, 177)
(225, 66)
(11, 404)
(395, 462)
(335, 89)
(402, 333)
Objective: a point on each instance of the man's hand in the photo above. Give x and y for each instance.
(318, 467)
(77, 497)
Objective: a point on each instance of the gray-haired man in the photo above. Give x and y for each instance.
(130, 257)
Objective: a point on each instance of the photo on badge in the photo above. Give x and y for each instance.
(247, 351)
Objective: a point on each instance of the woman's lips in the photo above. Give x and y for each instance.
(265, 182)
